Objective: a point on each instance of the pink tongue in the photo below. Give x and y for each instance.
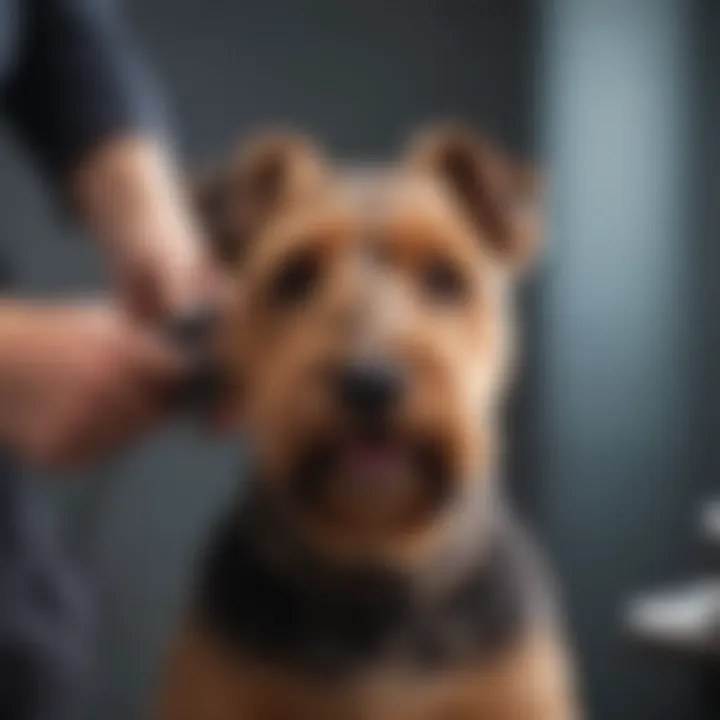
(378, 459)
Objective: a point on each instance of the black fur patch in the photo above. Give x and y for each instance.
(312, 617)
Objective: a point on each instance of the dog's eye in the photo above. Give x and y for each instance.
(444, 282)
(296, 279)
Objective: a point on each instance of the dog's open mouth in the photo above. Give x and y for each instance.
(366, 472)
(375, 463)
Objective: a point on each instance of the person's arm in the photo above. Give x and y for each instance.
(75, 382)
(129, 195)
(82, 103)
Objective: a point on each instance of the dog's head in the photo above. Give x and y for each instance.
(372, 334)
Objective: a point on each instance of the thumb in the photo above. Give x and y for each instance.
(140, 293)
(155, 358)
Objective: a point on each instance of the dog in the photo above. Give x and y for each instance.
(372, 569)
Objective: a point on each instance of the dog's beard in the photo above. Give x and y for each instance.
(372, 476)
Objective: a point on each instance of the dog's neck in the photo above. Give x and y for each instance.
(460, 539)
(265, 593)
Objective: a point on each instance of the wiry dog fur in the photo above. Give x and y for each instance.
(372, 569)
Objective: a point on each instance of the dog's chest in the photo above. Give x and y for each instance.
(384, 694)
(333, 626)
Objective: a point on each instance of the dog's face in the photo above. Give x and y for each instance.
(372, 334)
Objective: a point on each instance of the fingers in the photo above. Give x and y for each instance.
(182, 280)
(152, 361)
(139, 289)
(154, 293)
(100, 399)
(166, 277)
(86, 438)
(89, 380)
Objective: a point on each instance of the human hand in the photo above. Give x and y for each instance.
(161, 270)
(79, 381)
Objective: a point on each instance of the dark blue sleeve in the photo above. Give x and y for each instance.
(79, 81)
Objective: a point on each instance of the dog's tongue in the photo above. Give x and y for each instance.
(375, 460)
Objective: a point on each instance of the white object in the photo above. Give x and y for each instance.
(685, 619)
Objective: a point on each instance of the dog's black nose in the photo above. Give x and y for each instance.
(369, 390)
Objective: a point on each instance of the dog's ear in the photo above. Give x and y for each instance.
(263, 177)
(502, 198)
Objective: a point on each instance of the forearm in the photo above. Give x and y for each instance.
(128, 194)
(127, 191)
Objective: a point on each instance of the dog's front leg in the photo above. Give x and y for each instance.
(533, 682)
(201, 683)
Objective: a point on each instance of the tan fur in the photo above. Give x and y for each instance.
(458, 359)
(204, 682)
(453, 200)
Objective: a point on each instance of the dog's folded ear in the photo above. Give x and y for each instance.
(262, 178)
(502, 198)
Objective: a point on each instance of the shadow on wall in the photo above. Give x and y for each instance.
(622, 395)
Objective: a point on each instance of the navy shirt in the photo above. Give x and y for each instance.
(69, 79)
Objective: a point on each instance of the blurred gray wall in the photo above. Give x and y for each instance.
(359, 75)
(705, 234)
(629, 308)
